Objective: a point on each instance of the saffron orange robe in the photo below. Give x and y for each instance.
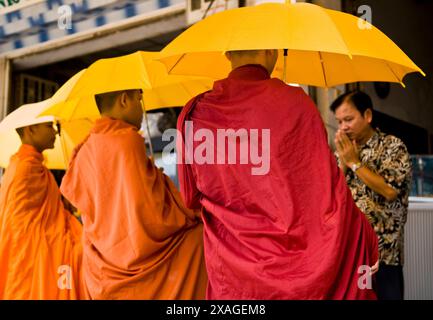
(40, 241)
(293, 232)
(140, 241)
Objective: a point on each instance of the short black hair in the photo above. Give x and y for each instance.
(359, 99)
(105, 101)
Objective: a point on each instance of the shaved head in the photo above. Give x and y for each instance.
(105, 101)
(123, 105)
(42, 136)
(266, 58)
(243, 53)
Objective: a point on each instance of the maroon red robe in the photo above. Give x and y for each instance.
(293, 233)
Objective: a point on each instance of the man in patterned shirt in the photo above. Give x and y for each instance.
(378, 171)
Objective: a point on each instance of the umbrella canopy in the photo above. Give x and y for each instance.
(72, 133)
(324, 47)
(138, 70)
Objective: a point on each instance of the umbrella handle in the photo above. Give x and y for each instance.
(285, 65)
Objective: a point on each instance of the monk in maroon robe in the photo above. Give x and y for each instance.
(279, 220)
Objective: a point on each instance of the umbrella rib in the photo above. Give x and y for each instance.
(74, 110)
(339, 34)
(186, 89)
(395, 75)
(177, 62)
(323, 68)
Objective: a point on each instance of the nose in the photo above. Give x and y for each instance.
(343, 126)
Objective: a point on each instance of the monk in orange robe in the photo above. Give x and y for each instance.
(40, 241)
(140, 241)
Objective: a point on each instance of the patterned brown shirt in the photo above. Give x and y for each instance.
(387, 156)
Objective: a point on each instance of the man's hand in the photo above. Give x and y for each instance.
(374, 268)
(346, 149)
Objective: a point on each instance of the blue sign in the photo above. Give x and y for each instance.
(55, 19)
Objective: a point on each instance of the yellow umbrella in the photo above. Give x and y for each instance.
(65, 106)
(72, 133)
(324, 47)
(138, 70)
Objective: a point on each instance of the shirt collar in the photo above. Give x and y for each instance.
(373, 139)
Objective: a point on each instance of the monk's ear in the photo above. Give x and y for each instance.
(228, 55)
(123, 99)
(30, 130)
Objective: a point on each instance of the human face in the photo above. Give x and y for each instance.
(43, 136)
(134, 110)
(350, 121)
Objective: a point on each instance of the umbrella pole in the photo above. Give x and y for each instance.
(65, 153)
(285, 65)
(148, 130)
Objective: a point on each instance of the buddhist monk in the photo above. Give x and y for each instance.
(140, 241)
(280, 222)
(40, 241)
